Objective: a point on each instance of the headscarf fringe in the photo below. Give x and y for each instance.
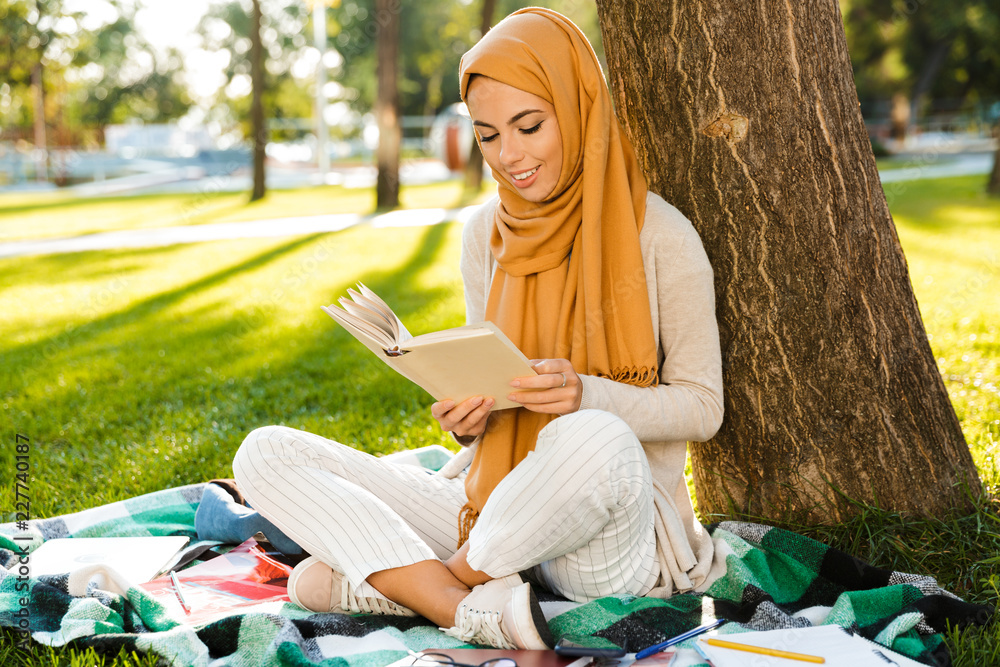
(639, 377)
(467, 518)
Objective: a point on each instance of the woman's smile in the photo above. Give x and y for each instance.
(525, 179)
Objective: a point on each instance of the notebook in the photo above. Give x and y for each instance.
(477, 656)
(137, 559)
(226, 585)
(837, 646)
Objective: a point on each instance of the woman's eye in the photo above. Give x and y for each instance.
(487, 139)
(532, 130)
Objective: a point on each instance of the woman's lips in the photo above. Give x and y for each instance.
(527, 182)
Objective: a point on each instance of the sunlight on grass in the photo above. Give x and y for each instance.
(950, 231)
(170, 361)
(51, 215)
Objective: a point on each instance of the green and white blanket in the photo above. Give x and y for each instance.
(774, 579)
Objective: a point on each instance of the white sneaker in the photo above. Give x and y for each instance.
(502, 613)
(315, 586)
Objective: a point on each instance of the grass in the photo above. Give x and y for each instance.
(135, 370)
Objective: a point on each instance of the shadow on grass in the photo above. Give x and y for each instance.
(168, 404)
(345, 383)
(49, 347)
(65, 268)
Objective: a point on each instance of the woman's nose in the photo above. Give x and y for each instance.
(511, 152)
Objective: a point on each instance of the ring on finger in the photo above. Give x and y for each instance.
(564, 381)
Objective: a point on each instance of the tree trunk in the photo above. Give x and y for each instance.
(745, 117)
(993, 187)
(928, 75)
(474, 164)
(41, 143)
(387, 104)
(322, 131)
(257, 122)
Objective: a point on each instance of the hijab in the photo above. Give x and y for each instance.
(569, 281)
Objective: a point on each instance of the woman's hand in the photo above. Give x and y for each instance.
(465, 419)
(557, 389)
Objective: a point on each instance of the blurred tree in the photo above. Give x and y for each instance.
(36, 42)
(257, 122)
(120, 77)
(923, 53)
(474, 163)
(924, 50)
(993, 186)
(387, 103)
(432, 39)
(69, 81)
(226, 28)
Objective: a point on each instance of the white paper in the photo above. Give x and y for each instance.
(138, 559)
(836, 645)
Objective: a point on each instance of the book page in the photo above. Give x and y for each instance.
(374, 318)
(400, 334)
(372, 337)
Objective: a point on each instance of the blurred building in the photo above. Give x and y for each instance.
(166, 140)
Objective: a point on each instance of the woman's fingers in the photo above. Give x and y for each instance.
(555, 390)
(465, 418)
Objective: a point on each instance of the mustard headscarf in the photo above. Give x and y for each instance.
(570, 282)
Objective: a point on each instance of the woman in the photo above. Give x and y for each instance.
(608, 289)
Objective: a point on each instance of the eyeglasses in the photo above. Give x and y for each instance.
(432, 659)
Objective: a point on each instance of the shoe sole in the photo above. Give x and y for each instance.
(536, 635)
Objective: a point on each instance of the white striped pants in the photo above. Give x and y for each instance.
(578, 511)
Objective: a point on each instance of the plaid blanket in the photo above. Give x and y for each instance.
(774, 579)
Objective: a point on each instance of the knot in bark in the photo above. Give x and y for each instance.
(730, 126)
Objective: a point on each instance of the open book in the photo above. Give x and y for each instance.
(474, 360)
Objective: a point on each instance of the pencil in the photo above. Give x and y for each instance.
(177, 590)
(764, 651)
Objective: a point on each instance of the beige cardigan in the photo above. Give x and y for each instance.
(686, 405)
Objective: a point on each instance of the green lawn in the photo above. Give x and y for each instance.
(135, 370)
(47, 215)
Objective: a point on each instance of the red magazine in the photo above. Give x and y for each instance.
(223, 586)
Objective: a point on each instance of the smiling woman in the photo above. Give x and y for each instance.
(607, 289)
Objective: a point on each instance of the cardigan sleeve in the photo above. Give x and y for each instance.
(687, 402)
(475, 262)
(475, 266)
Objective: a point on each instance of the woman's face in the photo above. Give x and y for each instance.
(519, 135)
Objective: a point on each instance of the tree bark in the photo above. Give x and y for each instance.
(474, 163)
(745, 117)
(993, 187)
(387, 104)
(41, 143)
(257, 122)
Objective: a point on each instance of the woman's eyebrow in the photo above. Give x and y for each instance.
(516, 117)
